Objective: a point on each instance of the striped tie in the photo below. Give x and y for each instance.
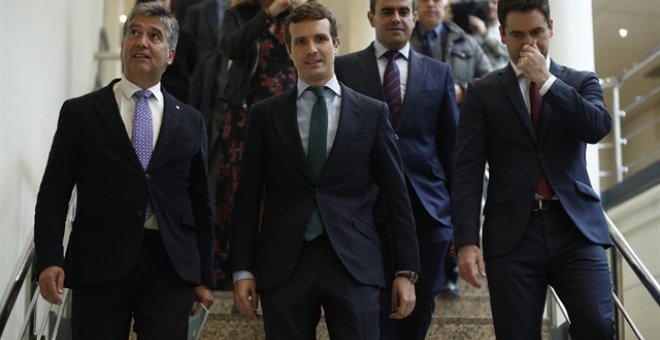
(392, 86)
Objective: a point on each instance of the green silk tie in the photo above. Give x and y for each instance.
(316, 152)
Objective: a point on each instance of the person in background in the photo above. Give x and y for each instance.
(177, 77)
(313, 154)
(181, 8)
(203, 22)
(445, 41)
(252, 39)
(544, 224)
(139, 251)
(479, 18)
(423, 106)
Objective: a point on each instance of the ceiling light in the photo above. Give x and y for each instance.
(623, 32)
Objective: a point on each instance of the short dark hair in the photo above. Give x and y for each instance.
(154, 9)
(311, 10)
(504, 7)
(372, 5)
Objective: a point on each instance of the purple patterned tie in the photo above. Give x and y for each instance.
(142, 128)
(392, 86)
(143, 134)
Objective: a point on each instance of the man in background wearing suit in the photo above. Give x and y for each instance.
(140, 246)
(203, 22)
(544, 224)
(315, 152)
(424, 110)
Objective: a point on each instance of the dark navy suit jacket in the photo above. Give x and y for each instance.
(495, 126)
(92, 150)
(427, 122)
(363, 154)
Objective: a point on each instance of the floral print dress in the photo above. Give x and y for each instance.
(274, 74)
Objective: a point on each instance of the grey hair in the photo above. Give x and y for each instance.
(154, 9)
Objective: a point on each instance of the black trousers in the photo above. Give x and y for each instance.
(151, 295)
(552, 252)
(292, 311)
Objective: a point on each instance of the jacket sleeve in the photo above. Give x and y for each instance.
(237, 35)
(54, 194)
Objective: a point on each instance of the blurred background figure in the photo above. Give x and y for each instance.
(203, 22)
(178, 75)
(252, 39)
(479, 18)
(182, 6)
(438, 38)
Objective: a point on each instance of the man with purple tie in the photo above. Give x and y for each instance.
(139, 252)
(419, 91)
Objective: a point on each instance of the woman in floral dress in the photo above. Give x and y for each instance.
(252, 38)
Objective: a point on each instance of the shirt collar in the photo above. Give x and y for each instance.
(332, 84)
(128, 89)
(381, 49)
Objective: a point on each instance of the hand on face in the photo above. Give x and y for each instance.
(533, 64)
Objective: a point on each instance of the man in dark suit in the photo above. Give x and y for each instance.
(140, 246)
(426, 128)
(544, 224)
(315, 152)
(203, 21)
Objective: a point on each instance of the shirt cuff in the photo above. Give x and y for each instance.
(548, 83)
(242, 275)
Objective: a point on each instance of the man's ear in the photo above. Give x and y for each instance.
(370, 16)
(170, 56)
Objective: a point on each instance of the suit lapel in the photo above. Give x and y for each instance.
(367, 65)
(286, 125)
(416, 72)
(106, 106)
(171, 116)
(509, 81)
(350, 122)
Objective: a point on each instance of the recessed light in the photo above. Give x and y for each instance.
(623, 32)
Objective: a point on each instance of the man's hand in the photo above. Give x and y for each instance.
(532, 64)
(471, 262)
(279, 6)
(477, 25)
(204, 296)
(460, 94)
(51, 284)
(403, 298)
(246, 298)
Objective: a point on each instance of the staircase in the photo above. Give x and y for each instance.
(464, 318)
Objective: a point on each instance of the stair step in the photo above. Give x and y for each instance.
(234, 327)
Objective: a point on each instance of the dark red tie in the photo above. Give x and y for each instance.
(543, 188)
(392, 86)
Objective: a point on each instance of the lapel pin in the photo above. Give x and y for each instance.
(177, 107)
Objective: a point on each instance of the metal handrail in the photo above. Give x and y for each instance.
(633, 260)
(14, 287)
(616, 82)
